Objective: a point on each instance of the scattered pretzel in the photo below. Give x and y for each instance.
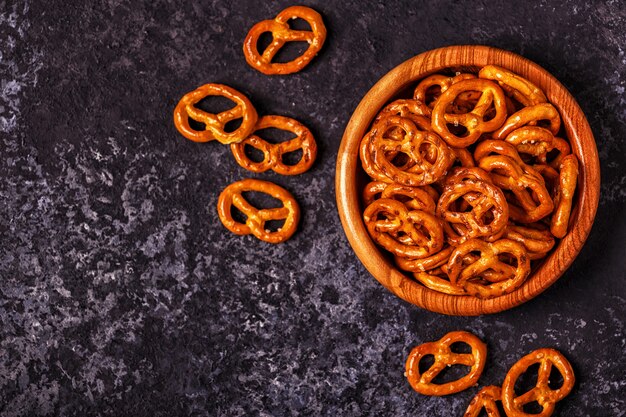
(214, 123)
(281, 34)
(545, 396)
(444, 357)
(485, 399)
(564, 196)
(273, 153)
(256, 218)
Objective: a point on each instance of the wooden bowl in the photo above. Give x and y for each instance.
(351, 178)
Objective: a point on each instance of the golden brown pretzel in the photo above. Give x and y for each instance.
(273, 153)
(563, 149)
(518, 87)
(508, 277)
(531, 140)
(485, 399)
(530, 116)
(444, 357)
(438, 280)
(426, 169)
(407, 108)
(215, 123)
(508, 174)
(491, 147)
(256, 218)
(440, 83)
(424, 264)
(415, 198)
(568, 176)
(422, 232)
(488, 215)
(537, 240)
(281, 34)
(545, 396)
(473, 121)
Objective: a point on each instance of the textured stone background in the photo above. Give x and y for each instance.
(122, 294)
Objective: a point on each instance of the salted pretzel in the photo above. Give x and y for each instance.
(508, 174)
(488, 214)
(531, 115)
(444, 357)
(537, 240)
(386, 219)
(430, 88)
(541, 393)
(486, 399)
(281, 34)
(414, 198)
(214, 124)
(509, 277)
(407, 108)
(425, 169)
(256, 218)
(531, 140)
(473, 121)
(518, 87)
(564, 196)
(273, 153)
(563, 149)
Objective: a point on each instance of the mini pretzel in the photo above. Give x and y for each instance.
(444, 357)
(423, 232)
(465, 276)
(537, 241)
(424, 264)
(530, 116)
(531, 140)
(407, 108)
(425, 170)
(545, 396)
(438, 280)
(214, 123)
(474, 121)
(423, 92)
(414, 198)
(507, 174)
(256, 218)
(485, 399)
(281, 34)
(564, 196)
(491, 147)
(273, 153)
(484, 198)
(518, 87)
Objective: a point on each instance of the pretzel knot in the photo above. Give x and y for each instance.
(214, 123)
(444, 357)
(545, 396)
(256, 218)
(485, 399)
(488, 210)
(427, 153)
(518, 87)
(403, 232)
(532, 199)
(489, 275)
(273, 153)
(564, 196)
(473, 121)
(281, 34)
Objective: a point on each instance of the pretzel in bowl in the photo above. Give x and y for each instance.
(281, 34)
(232, 196)
(503, 277)
(414, 198)
(273, 153)
(215, 124)
(565, 196)
(445, 357)
(542, 393)
(430, 88)
(537, 240)
(486, 399)
(522, 90)
(532, 115)
(437, 279)
(473, 121)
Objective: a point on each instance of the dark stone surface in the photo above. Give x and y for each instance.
(122, 294)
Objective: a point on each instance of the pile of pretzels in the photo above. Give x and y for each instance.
(472, 180)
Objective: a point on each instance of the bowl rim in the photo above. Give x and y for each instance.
(579, 135)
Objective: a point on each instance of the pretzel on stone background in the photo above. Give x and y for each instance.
(484, 199)
(545, 396)
(422, 231)
(256, 218)
(564, 196)
(281, 34)
(485, 399)
(474, 120)
(215, 123)
(273, 153)
(518, 87)
(444, 357)
(508, 277)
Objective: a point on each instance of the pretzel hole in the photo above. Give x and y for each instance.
(264, 41)
(237, 215)
(275, 135)
(431, 95)
(527, 380)
(215, 104)
(457, 130)
(297, 23)
(532, 407)
(555, 381)
(292, 158)
(253, 154)
(400, 159)
(233, 125)
(451, 373)
(261, 200)
(290, 51)
(460, 347)
(195, 125)
(274, 225)
(426, 362)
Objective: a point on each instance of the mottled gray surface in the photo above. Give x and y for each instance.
(122, 294)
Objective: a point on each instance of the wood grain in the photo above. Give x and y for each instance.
(349, 174)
